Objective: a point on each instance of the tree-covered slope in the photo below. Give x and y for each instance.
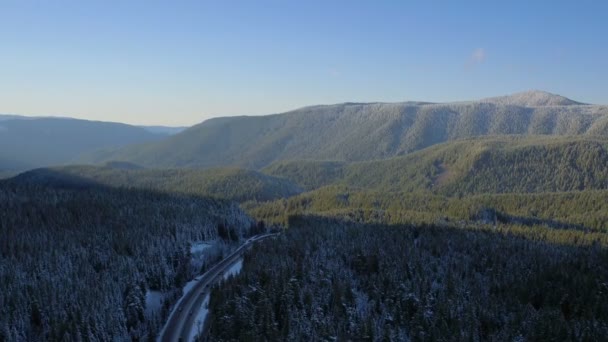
(508, 164)
(361, 131)
(579, 210)
(505, 164)
(227, 183)
(339, 281)
(75, 263)
(307, 173)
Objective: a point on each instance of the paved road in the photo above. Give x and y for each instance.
(181, 322)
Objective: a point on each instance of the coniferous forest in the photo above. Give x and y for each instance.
(326, 279)
(315, 171)
(75, 263)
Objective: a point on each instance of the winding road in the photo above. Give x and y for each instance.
(181, 321)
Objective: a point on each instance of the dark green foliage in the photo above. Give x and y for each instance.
(585, 208)
(307, 173)
(550, 167)
(511, 164)
(227, 183)
(318, 281)
(467, 167)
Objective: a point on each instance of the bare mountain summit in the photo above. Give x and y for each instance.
(532, 98)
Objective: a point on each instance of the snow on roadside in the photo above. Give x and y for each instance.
(234, 269)
(189, 285)
(199, 320)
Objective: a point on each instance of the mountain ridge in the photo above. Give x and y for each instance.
(533, 98)
(357, 132)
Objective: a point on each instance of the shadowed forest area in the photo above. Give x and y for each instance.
(76, 261)
(327, 279)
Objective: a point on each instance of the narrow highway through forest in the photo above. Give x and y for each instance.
(181, 321)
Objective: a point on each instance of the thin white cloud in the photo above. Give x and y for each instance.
(478, 55)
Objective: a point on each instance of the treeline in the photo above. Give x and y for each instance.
(326, 279)
(75, 263)
(585, 208)
(224, 183)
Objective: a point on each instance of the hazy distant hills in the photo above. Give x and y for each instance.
(164, 129)
(27, 142)
(361, 131)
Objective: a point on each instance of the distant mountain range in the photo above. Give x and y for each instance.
(347, 132)
(360, 131)
(28, 142)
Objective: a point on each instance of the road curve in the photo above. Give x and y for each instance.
(180, 322)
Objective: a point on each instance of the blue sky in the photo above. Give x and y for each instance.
(180, 62)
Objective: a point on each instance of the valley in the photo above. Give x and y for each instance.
(458, 209)
(324, 171)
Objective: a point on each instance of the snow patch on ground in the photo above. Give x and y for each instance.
(198, 247)
(154, 300)
(234, 269)
(199, 320)
(189, 285)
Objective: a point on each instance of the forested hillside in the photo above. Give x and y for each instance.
(509, 164)
(75, 263)
(580, 210)
(308, 174)
(361, 131)
(325, 279)
(489, 165)
(226, 183)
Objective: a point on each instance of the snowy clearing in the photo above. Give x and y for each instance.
(154, 300)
